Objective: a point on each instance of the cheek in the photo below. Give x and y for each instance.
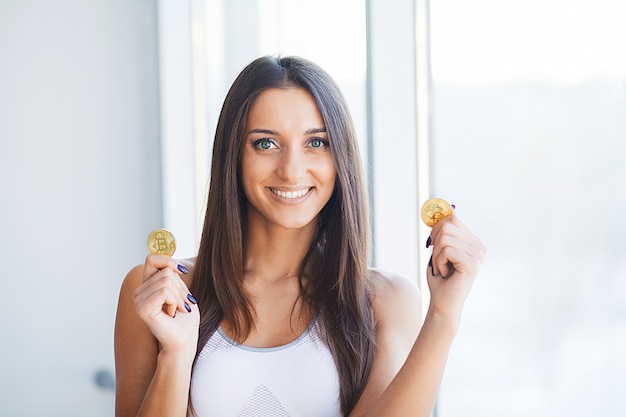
(330, 171)
(327, 174)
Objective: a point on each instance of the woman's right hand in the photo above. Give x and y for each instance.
(164, 304)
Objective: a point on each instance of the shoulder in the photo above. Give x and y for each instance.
(394, 296)
(133, 279)
(388, 283)
(398, 313)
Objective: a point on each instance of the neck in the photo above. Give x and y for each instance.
(276, 254)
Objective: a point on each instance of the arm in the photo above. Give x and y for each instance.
(155, 341)
(409, 366)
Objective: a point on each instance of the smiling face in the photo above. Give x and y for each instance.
(287, 170)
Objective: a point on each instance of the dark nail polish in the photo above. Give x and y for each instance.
(453, 206)
(428, 242)
(192, 299)
(187, 308)
(182, 269)
(174, 315)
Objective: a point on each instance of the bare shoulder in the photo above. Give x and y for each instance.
(132, 280)
(388, 282)
(398, 313)
(395, 296)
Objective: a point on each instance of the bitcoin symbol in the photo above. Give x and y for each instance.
(161, 241)
(435, 209)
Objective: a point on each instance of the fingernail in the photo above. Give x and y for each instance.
(453, 206)
(187, 308)
(192, 299)
(174, 315)
(182, 269)
(428, 242)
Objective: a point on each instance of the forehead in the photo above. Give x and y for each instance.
(291, 107)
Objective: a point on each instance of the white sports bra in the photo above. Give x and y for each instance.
(294, 380)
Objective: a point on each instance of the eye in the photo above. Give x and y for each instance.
(318, 143)
(264, 144)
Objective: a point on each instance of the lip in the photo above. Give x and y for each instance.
(292, 195)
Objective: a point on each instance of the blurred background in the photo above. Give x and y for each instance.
(514, 111)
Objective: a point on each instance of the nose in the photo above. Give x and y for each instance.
(292, 164)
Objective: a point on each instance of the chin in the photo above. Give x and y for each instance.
(295, 223)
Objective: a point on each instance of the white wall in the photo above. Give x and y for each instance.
(80, 188)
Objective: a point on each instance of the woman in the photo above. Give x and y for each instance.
(286, 318)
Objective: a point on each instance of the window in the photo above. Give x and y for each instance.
(529, 129)
(227, 35)
(528, 133)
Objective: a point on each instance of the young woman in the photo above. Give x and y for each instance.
(279, 314)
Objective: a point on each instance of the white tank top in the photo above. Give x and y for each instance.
(294, 380)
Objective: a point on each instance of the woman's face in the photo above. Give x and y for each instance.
(288, 173)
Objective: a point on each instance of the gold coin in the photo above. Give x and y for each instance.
(435, 209)
(161, 241)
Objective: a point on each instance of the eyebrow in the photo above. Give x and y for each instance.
(311, 131)
(263, 131)
(315, 130)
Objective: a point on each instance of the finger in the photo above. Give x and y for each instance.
(453, 260)
(453, 225)
(170, 309)
(152, 302)
(430, 271)
(156, 262)
(454, 228)
(458, 239)
(433, 269)
(443, 264)
(164, 277)
(452, 251)
(444, 225)
(169, 280)
(443, 240)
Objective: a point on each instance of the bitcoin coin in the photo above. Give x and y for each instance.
(161, 241)
(435, 209)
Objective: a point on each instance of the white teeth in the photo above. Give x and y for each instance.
(290, 194)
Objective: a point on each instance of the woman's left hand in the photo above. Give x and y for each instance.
(457, 256)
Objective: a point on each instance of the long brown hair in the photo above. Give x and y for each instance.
(337, 287)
